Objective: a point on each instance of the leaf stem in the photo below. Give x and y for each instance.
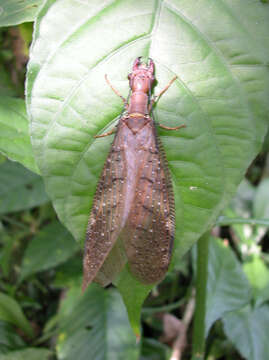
(223, 220)
(165, 308)
(200, 309)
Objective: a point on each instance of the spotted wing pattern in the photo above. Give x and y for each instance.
(149, 231)
(105, 220)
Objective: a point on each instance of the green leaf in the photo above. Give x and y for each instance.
(227, 286)
(9, 339)
(11, 312)
(221, 94)
(29, 354)
(14, 129)
(95, 325)
(13, 12)
(20, 189)
(50, 247)
(261, 201)
(247, 329)
(258, 276)
(133, 300)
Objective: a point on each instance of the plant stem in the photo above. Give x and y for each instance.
(165, 308)
(223, 220)
(200, 309)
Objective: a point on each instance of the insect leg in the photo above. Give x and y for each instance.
(164, 89)
(156, 97)
(116, 92)
(105, 134)
(172, 128)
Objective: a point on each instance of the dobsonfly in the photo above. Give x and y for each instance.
(133, 215)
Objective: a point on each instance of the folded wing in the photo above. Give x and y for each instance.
(149, 231)
(104, 223)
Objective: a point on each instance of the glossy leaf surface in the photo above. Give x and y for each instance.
(221, 95)
(69, 101)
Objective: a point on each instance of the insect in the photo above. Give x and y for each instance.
(133, 216)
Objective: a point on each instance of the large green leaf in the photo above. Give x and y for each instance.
(227, 286)
(13, 12)
(11, 312)
(218, 49)
(52, 246)
(14, 129)
(248, 331)
(95, 326)
(20, 189)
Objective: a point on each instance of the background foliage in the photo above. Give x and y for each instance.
(219, 51)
